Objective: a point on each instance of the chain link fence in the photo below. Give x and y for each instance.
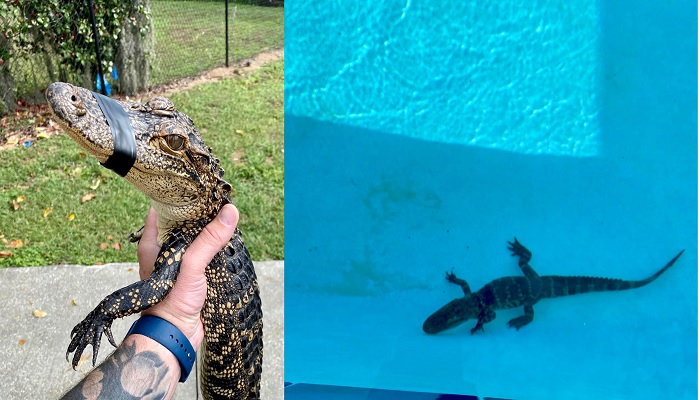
(190, 35)
(143, 42)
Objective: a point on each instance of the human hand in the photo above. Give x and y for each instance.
(181, 307)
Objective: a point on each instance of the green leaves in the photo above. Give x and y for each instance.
(65, 27)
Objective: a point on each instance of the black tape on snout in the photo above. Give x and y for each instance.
(124, 154)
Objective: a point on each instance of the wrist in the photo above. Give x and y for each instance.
(170, 337)
(190, 326)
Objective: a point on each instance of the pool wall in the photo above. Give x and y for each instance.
(388, 187)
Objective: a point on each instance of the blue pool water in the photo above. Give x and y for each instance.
(420, 138)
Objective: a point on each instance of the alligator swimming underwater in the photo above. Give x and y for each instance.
(516, 291)
(158, 150)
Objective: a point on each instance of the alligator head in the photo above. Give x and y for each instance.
(452, 314)
(171, 164)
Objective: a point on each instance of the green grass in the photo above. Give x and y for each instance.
(190, 35)
(54, 173)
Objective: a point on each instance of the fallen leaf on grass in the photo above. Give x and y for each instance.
(15, 205)
(39, 313)
(103, 246)
(117, 246)
(47, 211)
(87, 197)
(15, 244)
(5, 254)
(21, 342)
(53, 126)
(95, 184)
(20, 198)
(239, 131)
(70, 217)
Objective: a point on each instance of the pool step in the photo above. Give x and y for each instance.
(306, 391)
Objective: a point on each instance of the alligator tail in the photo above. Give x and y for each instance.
(557, 286)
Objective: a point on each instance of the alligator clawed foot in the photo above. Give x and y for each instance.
(519, 322)
(518, 249)
(89, 332)
(451, 277)
(477, 328)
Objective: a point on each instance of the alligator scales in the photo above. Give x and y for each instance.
(517, 291)
(177, 171)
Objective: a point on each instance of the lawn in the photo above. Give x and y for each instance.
(45, 221)
(190, 35)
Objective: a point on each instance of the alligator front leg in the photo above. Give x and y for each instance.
(452, 278)
(486, 316)
(522, 320)
(126, 301)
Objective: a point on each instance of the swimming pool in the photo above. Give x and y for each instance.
(420, 138)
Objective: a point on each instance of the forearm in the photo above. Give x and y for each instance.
(139, 368)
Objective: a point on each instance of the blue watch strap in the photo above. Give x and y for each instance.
(169, 336)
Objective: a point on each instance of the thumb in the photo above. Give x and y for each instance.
(210, 241)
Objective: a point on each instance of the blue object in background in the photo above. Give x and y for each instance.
(303, 391)
(420, 136)
(108, 88)
(115, 76)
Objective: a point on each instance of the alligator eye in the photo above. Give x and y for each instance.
(175, 142)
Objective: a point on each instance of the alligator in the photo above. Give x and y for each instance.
(516, 291)
(157, 149)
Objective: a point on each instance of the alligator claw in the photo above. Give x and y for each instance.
(450, 276)
(518, 249)
(519, 322)
(89, 332)
(134, 237)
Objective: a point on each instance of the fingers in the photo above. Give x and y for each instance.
(148, 247)
(210, 241)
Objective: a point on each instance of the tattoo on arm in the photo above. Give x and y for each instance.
(126, 374)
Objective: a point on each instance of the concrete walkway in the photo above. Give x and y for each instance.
(33, 364)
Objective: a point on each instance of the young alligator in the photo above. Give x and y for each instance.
(177, 171)
(516, 291)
